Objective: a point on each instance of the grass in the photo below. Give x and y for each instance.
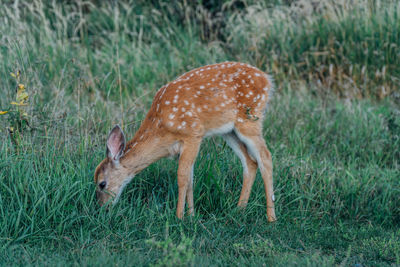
(336, 159)
(337, 200)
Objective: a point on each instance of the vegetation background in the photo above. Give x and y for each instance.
(333, 128)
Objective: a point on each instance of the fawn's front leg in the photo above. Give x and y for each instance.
(189, 194)
(185, 171)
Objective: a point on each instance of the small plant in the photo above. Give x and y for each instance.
(17, 115)
(249, 115)
(172, 254)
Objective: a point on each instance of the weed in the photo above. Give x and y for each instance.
(18, 118)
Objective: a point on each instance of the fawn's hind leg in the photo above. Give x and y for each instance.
(255, 144)
(249, 166)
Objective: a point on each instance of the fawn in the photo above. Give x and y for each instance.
(227, 99)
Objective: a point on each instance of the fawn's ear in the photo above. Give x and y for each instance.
(115, 144)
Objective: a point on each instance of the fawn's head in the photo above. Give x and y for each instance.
(110, 175)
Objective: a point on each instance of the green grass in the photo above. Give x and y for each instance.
(337, 188)
(350, 48)
(336, 149)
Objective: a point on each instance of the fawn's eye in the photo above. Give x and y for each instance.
(102, 185)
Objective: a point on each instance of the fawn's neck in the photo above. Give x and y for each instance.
(147, 146)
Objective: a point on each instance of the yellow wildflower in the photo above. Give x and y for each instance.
(15, 75)
(22, 103)
(22, 96)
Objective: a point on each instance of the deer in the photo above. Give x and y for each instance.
(228, 99)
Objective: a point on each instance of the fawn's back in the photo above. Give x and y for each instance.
(212, 98)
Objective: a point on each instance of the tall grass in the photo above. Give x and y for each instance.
(87, 65)
(331, 194)
(350, 47)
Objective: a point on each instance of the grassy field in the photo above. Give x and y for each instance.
(333, 128)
